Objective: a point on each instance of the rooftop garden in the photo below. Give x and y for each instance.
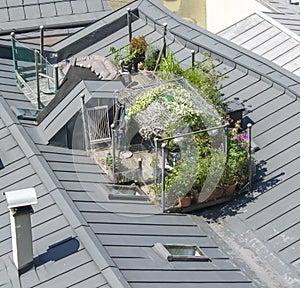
(201, 154)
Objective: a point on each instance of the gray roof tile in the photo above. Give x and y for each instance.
(109, 228)
(78, 7)
(24, 15)
(3, 14)
(63, 8)
(32, 12)
(50, 224)
(16, 13)
(48, 10)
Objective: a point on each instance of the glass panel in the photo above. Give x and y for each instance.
(184, 250)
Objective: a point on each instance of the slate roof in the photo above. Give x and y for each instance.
(271, 98)
(282, 6)
(52, 223)
(64, 177)
(29, 15)
(264, 36)
(261, 229)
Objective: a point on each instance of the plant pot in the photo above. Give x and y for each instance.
(136, 61)
(216, 194)
(229, 189)
(127, 67)
(185, 201)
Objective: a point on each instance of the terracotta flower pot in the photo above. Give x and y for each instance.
(185, 201)
(229, 189)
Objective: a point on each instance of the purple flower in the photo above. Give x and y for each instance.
(245, 136)
(238, 138)
(243, 144)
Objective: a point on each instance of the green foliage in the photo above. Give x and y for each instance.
(237, 165)
(151, 56)
(205, 77)
(150, 64)
(169, 66)
(122, 54)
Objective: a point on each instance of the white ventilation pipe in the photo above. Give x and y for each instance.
(19, 204)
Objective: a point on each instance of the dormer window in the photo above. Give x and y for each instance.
(174, 252)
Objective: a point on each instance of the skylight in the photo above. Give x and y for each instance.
(25, 113)
(181, 252)
(122, 192)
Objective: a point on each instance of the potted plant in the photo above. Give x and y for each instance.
(138, 46)
(237, 164)
(123, 58)
(151, 56)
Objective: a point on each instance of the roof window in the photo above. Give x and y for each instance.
(122, 192)
(25, 113)
(181, 252)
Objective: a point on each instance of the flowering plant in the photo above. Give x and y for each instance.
(237, 165)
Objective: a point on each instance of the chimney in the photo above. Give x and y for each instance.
(19, 204)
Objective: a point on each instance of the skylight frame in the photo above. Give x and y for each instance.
(126, 196)
(163, 250)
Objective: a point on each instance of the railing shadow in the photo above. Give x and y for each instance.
(229, 209)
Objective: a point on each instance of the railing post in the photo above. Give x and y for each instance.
(13, 43)
(140, 161)
(113, 148)
(56, 81)
(193, 57)
(163, 154)
(156, 157)
(129, 24)
(226, 138)
(37, 75)
(249, 128)
(42, 40)
(164, 40)
(42, 49)
(85, 131)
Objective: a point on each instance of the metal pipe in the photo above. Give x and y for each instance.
(226, 138)
(37, 76)
(56, 81)
(163, 154)
(129, 24)
(249, 128)
(191, 133)
(86, 138)
(13, 42)
(156, 157)
(193, 57)
(140, 161)
(42, 40)
(42, 49)
(112, 126)
(164, 40)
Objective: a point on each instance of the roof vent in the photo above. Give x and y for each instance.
(19, 203)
